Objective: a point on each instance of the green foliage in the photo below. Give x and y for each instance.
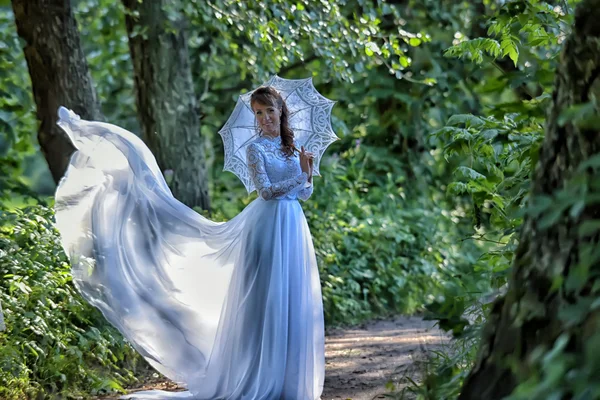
(55, 343)
(533, 26)
(500, 155)
(357, 44)
(420, 202)
(493, 154)
(345, 37)
(375, 244)
(382, 231)
(567, 365)
(104, 40)
(17, 122)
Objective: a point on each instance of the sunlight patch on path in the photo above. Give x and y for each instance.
(361, 361)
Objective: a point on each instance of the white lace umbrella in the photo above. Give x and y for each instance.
(310, 119)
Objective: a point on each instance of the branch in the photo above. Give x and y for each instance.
(245, 83)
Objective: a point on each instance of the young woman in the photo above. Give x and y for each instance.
(230, 310)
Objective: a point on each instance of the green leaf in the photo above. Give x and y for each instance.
(372, 48)
(588, 228)
(509, 47)
(489, 134)
(576, 113)
(592, 162)
(458, 188)
(577, 208)
(414, 41)
(550, 218)
(514, 55)
(467, 119)
(404, 61)
(470, 173)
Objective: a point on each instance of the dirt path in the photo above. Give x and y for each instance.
(361, 361)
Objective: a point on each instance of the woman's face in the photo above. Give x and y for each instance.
(268, 118)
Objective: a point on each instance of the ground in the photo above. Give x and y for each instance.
(365, 362)
(361, 362)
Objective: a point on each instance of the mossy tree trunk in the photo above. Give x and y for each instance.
(166, 100)
(59, 73)
(551, 300)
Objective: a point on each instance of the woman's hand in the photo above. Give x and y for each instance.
(306, 162)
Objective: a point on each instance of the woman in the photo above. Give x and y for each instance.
(230, 310)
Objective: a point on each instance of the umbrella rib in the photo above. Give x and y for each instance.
(295, 88)
(292, 91)
(289, 94)
(302, 109)
(306, 130)
(243, 144)
(300, 84)
(248, 107)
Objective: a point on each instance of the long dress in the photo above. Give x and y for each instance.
(230, 310)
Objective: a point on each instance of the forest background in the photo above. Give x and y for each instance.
(429, 203)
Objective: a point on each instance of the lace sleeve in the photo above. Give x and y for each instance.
(265, 188)
(305, 192)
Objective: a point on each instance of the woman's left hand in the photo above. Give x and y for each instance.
(311, 160)
(306, 162)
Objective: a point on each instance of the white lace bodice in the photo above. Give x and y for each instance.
(275, 175)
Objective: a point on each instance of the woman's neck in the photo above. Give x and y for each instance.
(270, 135)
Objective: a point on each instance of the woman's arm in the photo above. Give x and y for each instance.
(258, 173)
(305, 193)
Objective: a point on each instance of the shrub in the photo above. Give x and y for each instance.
(55, 343)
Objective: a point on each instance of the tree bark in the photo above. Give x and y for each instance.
(166, 101)
(59, 73)
(548, 289)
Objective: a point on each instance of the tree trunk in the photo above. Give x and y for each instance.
(166, 101)
(59, 73)
(555, 275)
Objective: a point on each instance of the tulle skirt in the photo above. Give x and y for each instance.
(230, 310)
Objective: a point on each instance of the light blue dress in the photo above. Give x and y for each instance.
(230, 310)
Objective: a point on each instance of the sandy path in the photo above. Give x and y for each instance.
(361, 361)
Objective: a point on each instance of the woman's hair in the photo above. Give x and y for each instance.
(268, 96)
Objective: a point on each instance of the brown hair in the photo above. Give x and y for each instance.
(268, 96)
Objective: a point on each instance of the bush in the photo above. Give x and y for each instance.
(374, 242)
(55, 343)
